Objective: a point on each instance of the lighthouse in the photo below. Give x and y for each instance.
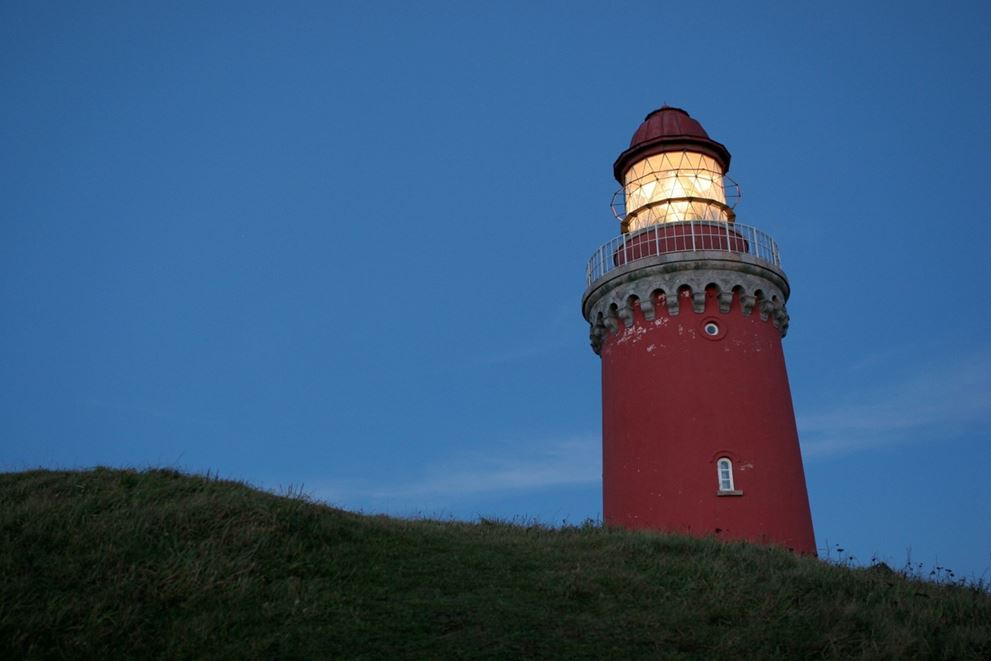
(686, 309)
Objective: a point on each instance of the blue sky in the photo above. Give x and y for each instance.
(342, 245)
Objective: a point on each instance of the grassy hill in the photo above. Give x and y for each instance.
(110, 563)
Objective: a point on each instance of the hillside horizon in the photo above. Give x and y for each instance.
(156, 563)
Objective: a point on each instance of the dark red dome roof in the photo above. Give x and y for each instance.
(669, 129)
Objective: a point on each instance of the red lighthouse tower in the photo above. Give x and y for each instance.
(687, 311)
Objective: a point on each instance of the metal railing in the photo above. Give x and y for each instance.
(684, 236)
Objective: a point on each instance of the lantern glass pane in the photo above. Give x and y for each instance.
(672, 187)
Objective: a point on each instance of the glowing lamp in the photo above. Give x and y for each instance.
(672, 187)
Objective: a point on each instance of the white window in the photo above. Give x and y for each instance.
(724, 471)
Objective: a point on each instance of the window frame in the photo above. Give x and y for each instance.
(724, 463)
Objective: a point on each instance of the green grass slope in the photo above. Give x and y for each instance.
(111, 564)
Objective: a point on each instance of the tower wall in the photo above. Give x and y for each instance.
(676, 399)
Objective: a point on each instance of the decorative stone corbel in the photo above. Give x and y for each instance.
(725, 299)
(766, 309)
(610, 320)
(596, 334)
(780, 317)
(698, 301)
(747, 302)
(647, 307)
(626, 314)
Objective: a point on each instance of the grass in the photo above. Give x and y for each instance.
(117, 563)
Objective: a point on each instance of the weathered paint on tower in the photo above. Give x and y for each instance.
(687, 311)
